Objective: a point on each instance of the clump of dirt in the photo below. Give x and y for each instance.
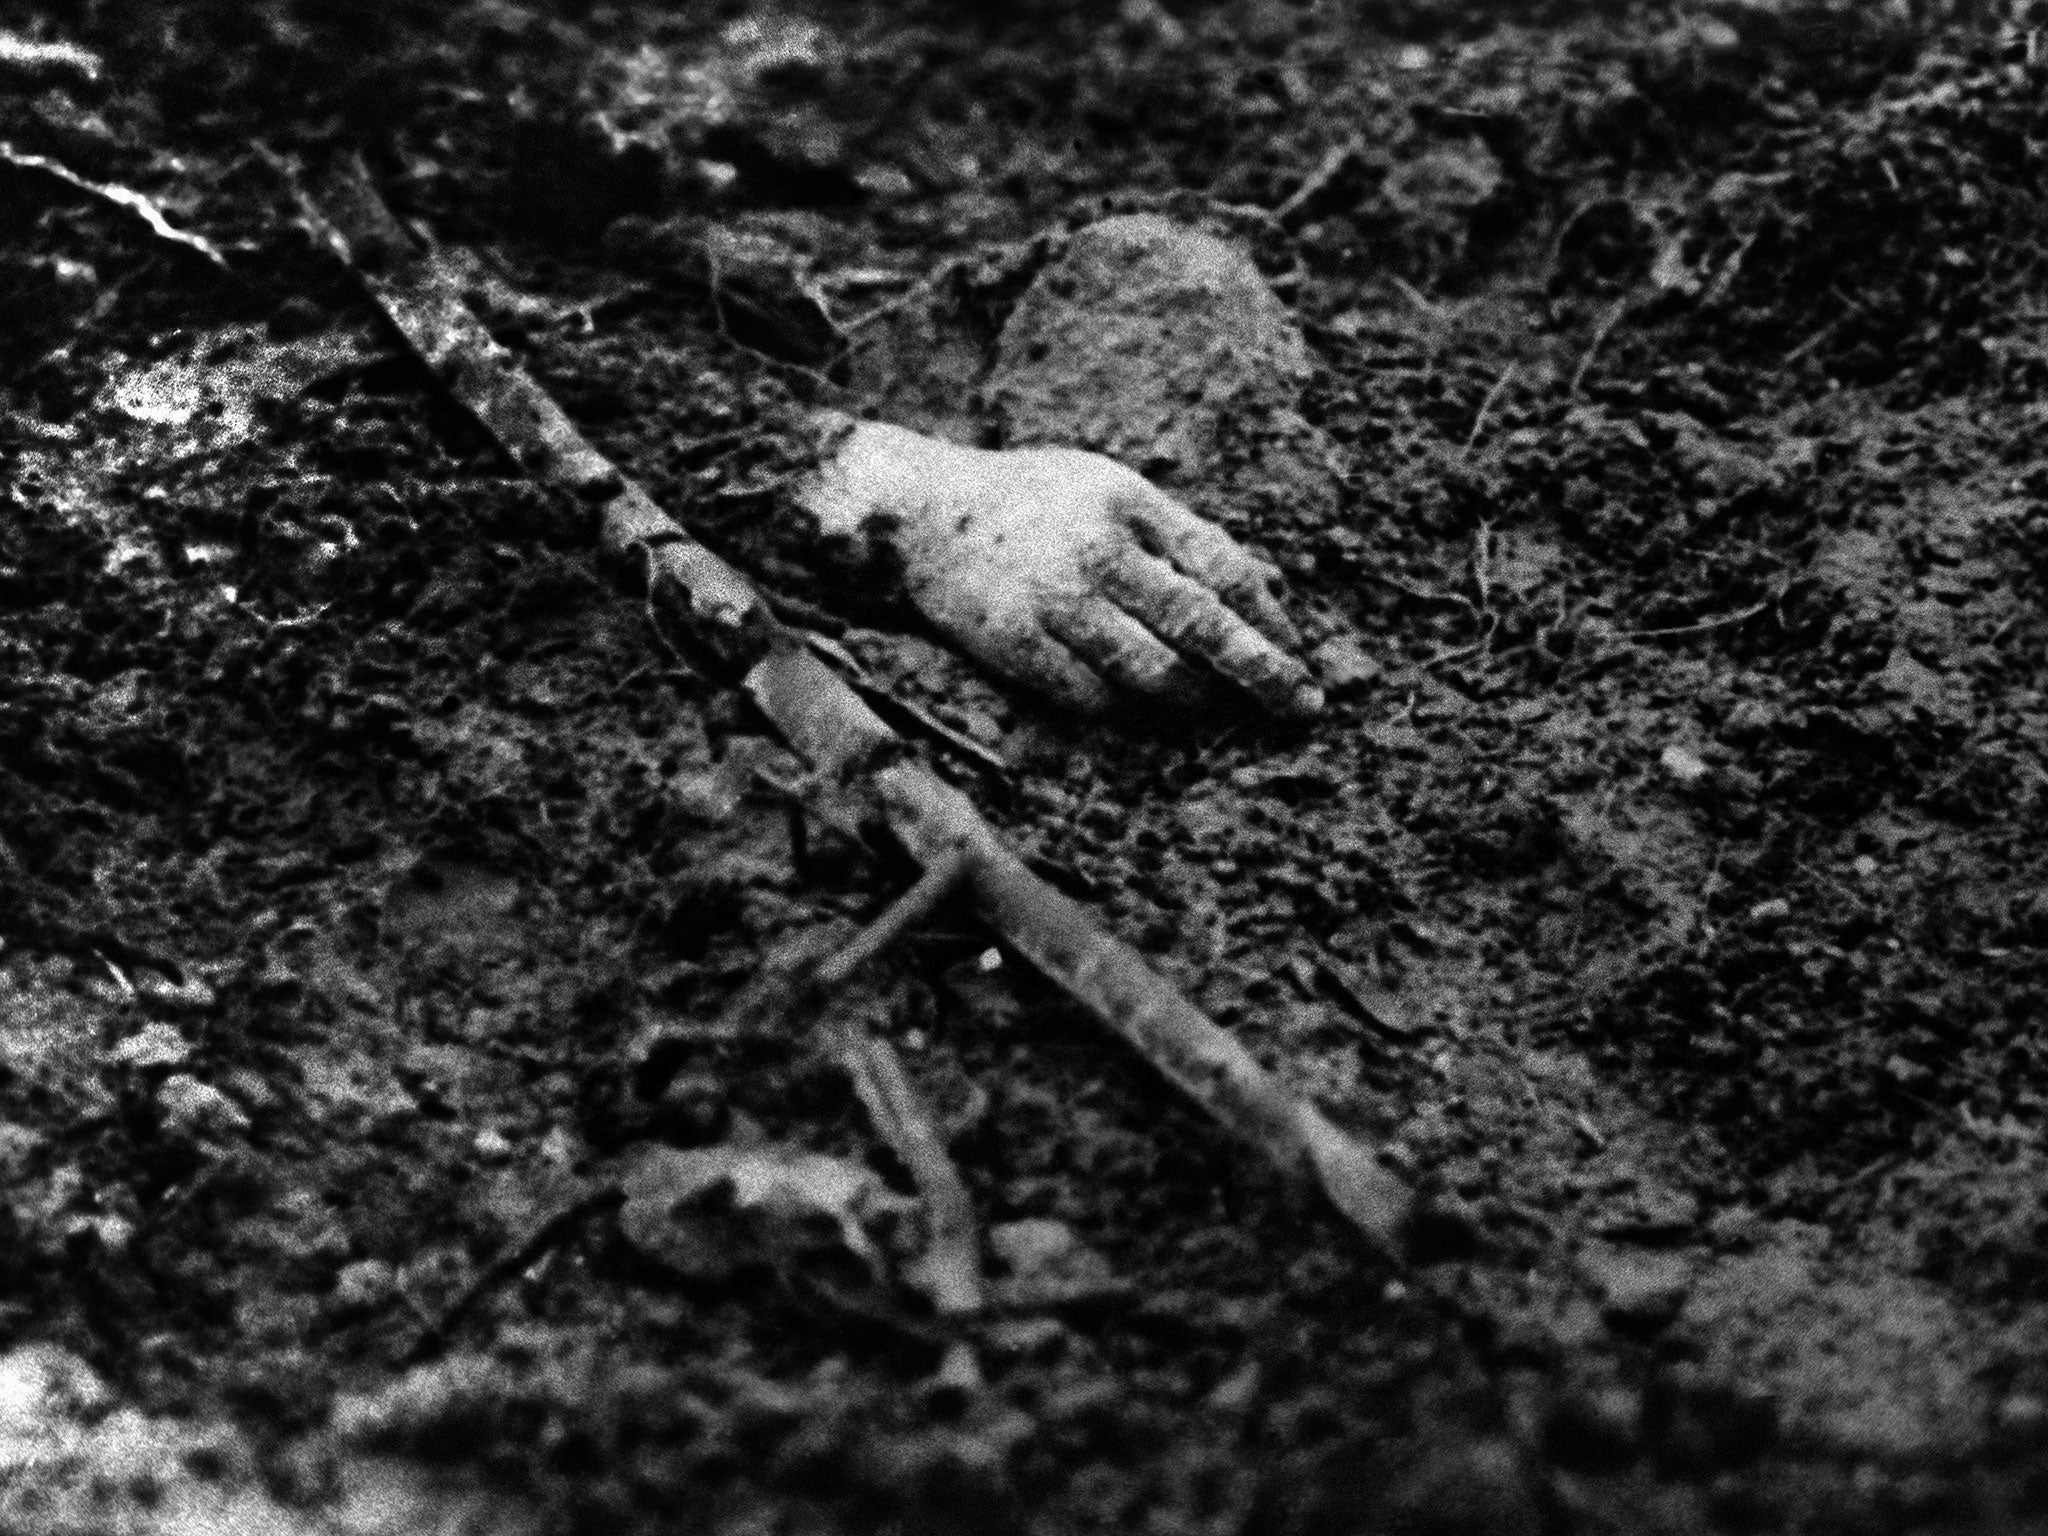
(1140, 342)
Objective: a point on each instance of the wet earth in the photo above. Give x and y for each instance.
(1649, 424)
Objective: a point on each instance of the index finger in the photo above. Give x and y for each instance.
(1192, 620)
(1197, 548)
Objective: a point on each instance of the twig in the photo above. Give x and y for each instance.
(32, 61)
(1417, 297)
(1726, 621)
(940, 879)
(1419, 594)
(1815, 339)
(1459, 653)
(826, 723)
(959, 742)
(1486, 406)
(551, 1234)
(949, 1272)
(120, 197)
(1319, 183)
(1606, 329)
(915, 293)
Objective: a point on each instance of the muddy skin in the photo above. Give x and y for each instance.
(1660, 882)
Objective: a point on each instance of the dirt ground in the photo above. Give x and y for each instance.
(1658, 881)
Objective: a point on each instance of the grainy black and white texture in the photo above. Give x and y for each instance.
(1658, 480)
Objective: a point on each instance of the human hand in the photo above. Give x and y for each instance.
(1065, 571)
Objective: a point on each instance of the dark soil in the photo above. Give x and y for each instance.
(1660, 882)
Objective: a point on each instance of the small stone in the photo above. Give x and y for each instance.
(492, 1145)
(1039, 1245)
(1595, 1429)
(885, 183)
(1236, 1392)
(187, 1107)
(109, 1235)
(1652, 1212)
(709, 1213)
(1048, 1264)
(187, 994)
(45, 1388)
(1749, 721)
(297, 316)
(709, 796)
(1577, 1327)
(956, 1383)
(1029, 1338)
(1736, 1229)
(364, 1286)
(1686, 769)
(1907, 1073)
(693, 1111)
(153, 1045)
(1342, 666)
(2021, 1420)
(18, 1144)
(1640, 1290)
(561, 1148)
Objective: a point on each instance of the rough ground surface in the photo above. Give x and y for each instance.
(1665, 879)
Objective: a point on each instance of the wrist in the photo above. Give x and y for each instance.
(870, 476)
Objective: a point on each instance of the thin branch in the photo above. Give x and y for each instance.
(1417, 297)
(1482, 565)
(949, 1272)
(1419, 594)
(557, 1231)
(1056, 934)
(1486, 406)
(120, 197)
(1606, 329)
(1320, 182)
(940, 879)
(1705, 626)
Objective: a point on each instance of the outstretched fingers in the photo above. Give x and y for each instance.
(1124, 651)
(1035, 659)
(1199, 549)
(1194, 621)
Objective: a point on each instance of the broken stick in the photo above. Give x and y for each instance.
(828, 724)
(1055, 933)
(950, 1271)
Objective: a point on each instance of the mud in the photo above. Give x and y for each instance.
(1646, 412)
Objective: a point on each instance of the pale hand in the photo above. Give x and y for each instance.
(1065, 571)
